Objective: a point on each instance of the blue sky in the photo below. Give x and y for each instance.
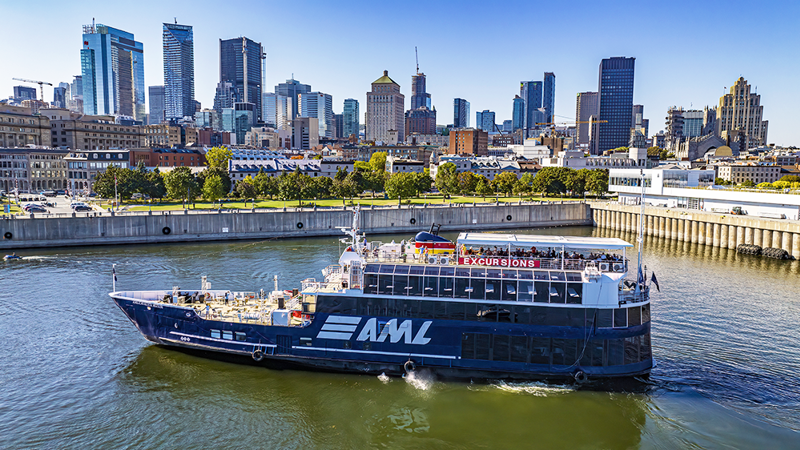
(686, 52)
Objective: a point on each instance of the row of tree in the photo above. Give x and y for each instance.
(549, 180)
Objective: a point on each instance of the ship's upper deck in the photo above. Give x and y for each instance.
(541, 241)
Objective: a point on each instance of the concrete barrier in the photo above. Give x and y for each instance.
(214, 226)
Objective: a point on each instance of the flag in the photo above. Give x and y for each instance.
(641, 280)
(654, 280)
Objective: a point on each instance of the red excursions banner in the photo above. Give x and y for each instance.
(497, 261)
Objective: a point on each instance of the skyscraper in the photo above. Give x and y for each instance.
(112, 69)
(76, 90)
(178, 71)
(419, 95)
(615, 88)
(385, 106)
(225, 96)
(484, 120)
(531, 93)
(518, 114)
(25, 93)
(549, 96)
(269, 105)
(350, 118)
(157, 105)
(60, 95)
(292, 88)
(585, 111)
(240, 65)
(420, 118)
(460, 113)
(319, 106)
(741, 110)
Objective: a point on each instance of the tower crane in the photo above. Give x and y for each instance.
(40, 83)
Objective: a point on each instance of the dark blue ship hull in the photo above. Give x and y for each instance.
(450, 349)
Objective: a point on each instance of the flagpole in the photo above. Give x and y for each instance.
(640, 238)
(114, 278)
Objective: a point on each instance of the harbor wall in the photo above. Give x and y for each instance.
(699, 227)
(181, 226)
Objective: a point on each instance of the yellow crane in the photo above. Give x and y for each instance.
(40, 83)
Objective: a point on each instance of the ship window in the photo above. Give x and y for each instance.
(540, 275)
(557, 276)
(492, 290)
(560, 350)
(519, 349)
(509, 274)
(385, 284)
(426, 310)
(539, 316)
(227, 335)
(574, 293)
(501, 347)
(483, 349)
(462, 289)
(479, 272)
(620, 318)
(307, 342)
(557, 293)
(605, 318)
(556, 317)
(541, 294)
(431, 271)
(525, 275)
(447, 271)
(417, 270)
(455, 310)
(468, 345)
(215, 334)
(525, 292)
(616, 355)
(590, 316)
(414, 285)
(644, 350)
(634, 316)
(509, 291)
(370, 283)
(401, 270)
(445, 287)
(574, 276)
(493, 273)
(646, 313)
(540, 350)
(387, 268)
(632, 350)
(371, 268)
(241, 336)
(400, 283)
(575, 317)
(431, 288)
(439, 310)
(478, 286)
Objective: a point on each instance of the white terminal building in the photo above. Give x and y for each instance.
(675, 187)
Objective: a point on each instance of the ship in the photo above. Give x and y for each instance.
(486, 307)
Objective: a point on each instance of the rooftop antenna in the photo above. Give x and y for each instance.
(176, 20)
(416, 55)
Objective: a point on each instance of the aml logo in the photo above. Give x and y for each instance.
(339, 327)
(394, 332)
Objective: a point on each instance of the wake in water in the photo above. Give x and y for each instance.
(384, 378)
(534, 388)
(420, 379)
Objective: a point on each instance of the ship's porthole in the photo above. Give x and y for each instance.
(508, 217)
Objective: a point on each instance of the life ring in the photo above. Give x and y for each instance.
(8, 235)
(258, 355)
(166, 230)
(409, 366)
(581, 377)
(413, 221)
(299, 225)
(508, 217)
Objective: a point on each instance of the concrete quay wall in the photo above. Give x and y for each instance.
(699, 227)
(146, 228)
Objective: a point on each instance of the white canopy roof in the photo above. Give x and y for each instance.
(534, 240)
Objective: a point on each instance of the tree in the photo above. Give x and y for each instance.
(423, 182)
(548, 181)
(155, 184)
(722, 182)
(266, 186)
(576, 181)
(765, 186)
(790, 178)
(446, 179)
(218, 157)
(322, 187)
(505, 182)
(525, 184)
(245, 188)
(377, 161)
(213, 189)
(401, 185)
(467, 182)
(221, 173)
(181, 184)
(748, 183)
(483, 187)
(597, 181)
(127, 182)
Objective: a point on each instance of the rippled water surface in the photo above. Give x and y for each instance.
(75, 373)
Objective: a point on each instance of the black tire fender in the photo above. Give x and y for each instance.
(8, 235)
(166, 230)
(299, 225)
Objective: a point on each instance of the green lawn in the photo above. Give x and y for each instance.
(364, 201)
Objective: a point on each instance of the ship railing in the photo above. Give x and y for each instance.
(631, 296)
(312, 285)
(333, 269)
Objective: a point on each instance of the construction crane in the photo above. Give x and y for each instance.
(40, 83)
(416, 55)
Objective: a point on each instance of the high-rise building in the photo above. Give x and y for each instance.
(460, 113)
(741, 110)
(419, 94)
(112, 72)
(518, 113)
(338, 126)
(319, 106)
(484, 120)
(292, 89)
(240, 65)
(585, 111)
(508, 126)
(226, 95)
(385, 106)
(76, 92)
(531, 93)
(60, 95)
(157, 105)
(615, 88)
(269, 105)
(178, 71)
(304, 133)
(693, 123)
(549, 96)
(350, 118)
(25, 93)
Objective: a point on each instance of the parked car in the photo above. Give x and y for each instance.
(61, 192)
(48, 193)
(80, 208)
(32, 208)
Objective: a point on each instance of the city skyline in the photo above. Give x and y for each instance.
(760, 59)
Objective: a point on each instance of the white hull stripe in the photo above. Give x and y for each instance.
(334, 327)
(230, 341)
(343, 319)
(371, 352)
(334, 335)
